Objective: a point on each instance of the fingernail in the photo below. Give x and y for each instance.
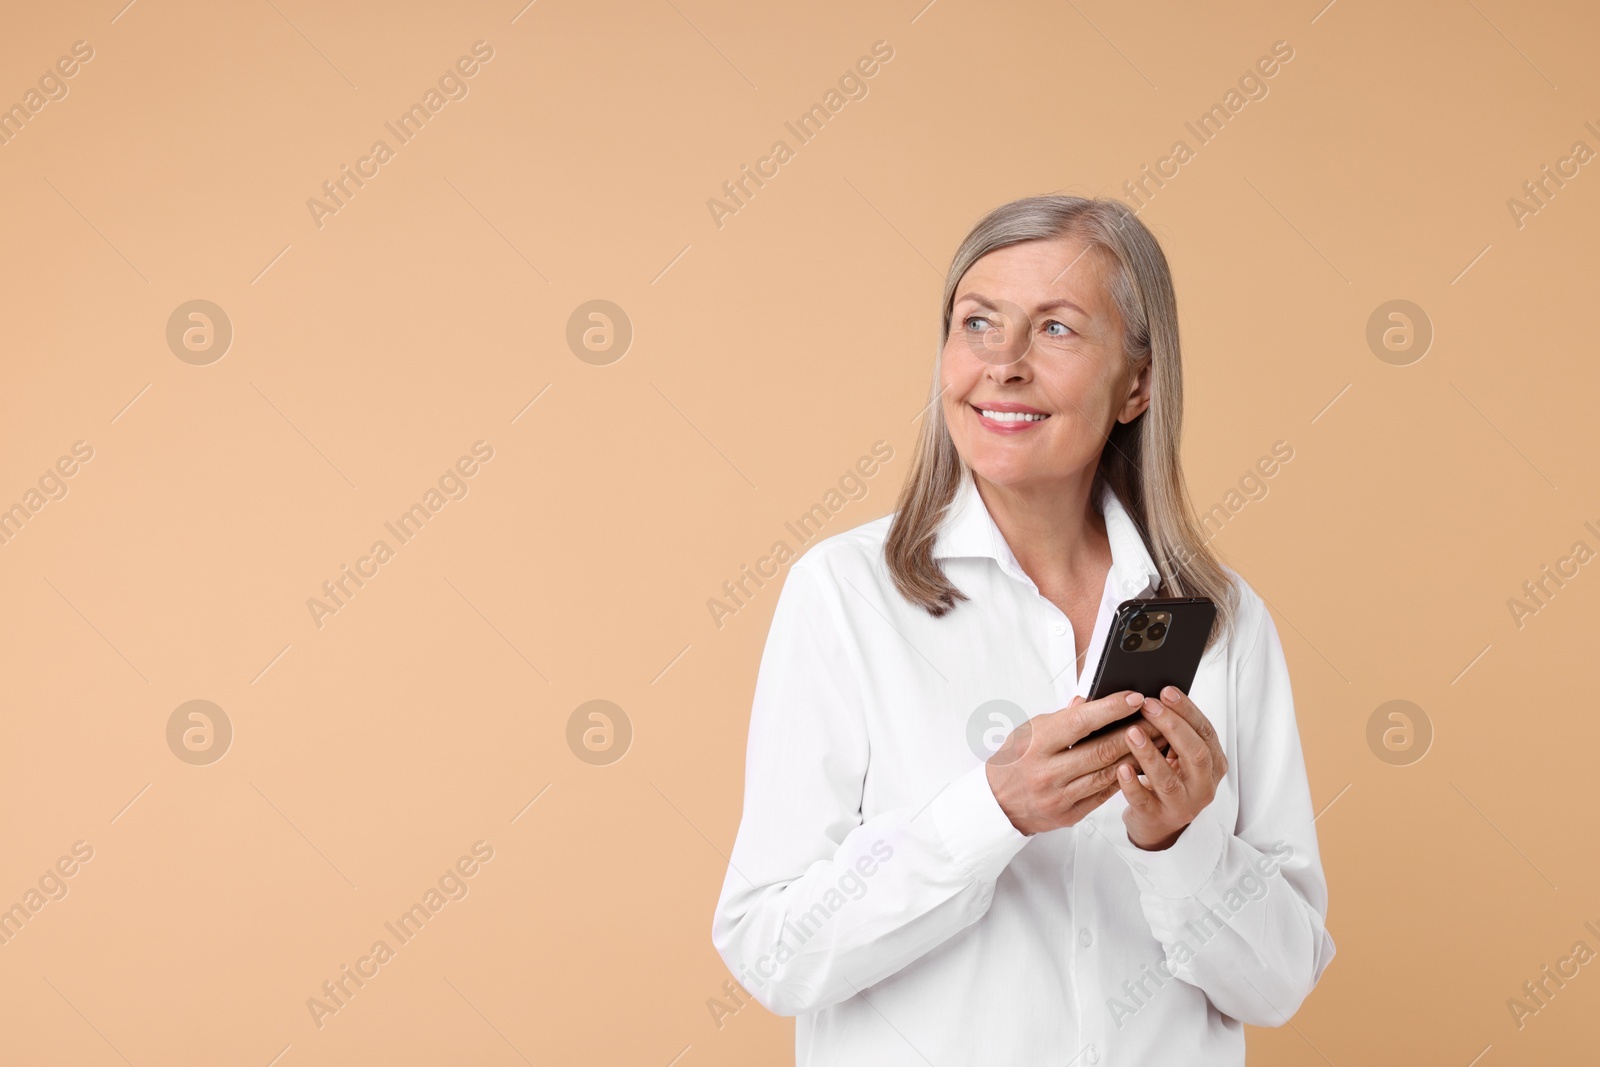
(1125, 772)
(1137, 737)
(1135, 699)
(1156, 708)
(1171, 695)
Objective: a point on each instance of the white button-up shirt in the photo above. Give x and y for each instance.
(878, 892)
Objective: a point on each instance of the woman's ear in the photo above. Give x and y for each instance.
(1138, 394)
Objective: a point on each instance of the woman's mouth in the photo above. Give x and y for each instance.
(1012, 418)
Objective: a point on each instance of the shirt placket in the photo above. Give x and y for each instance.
(1060, 651)
(1054, 633)
(1060, 655)
(1084, 944)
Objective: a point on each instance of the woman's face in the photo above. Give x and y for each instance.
(1033, 371)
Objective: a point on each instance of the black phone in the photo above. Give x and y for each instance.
(1153, 643)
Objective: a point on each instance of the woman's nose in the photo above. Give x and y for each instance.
(1019, 369)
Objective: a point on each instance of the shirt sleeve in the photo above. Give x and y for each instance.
(1240, 909)
(818, 904)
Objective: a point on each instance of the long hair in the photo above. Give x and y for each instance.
(1140, 460)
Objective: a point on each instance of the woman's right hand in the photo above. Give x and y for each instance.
(1043, 782)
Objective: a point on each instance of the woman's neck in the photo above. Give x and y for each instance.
(1057, 535)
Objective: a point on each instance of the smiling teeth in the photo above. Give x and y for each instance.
(1012, 416)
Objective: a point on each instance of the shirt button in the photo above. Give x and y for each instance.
(1085, 938)
(1059, 628)
(1092, 1055)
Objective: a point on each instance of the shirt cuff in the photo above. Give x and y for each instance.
(1181, 870)
(972, 825)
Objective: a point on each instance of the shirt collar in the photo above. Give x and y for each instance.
(968, 530)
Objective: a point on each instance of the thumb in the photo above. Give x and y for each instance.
(1076, 701)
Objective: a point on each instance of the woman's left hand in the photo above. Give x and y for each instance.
(1177, 785)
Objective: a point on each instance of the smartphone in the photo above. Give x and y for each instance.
(1152, 644)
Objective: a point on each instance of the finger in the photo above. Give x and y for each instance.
(1190, 712)
(1162, 776)
(1100, 749)
(1091, 754)
(1059, 730)
(1093, 781)
(1116, 730)
(1156, 737)
(1083, 808)
(1192, 751)
(1139, 796)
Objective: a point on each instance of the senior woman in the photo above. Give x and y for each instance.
(1139, 897)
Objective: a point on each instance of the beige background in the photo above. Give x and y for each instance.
(369, 754)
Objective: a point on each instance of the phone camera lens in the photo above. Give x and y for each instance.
(1139, 622)
(1131, 642)
(1156, 631)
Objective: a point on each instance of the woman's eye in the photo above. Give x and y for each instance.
(1060, 329)
(970, 319)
